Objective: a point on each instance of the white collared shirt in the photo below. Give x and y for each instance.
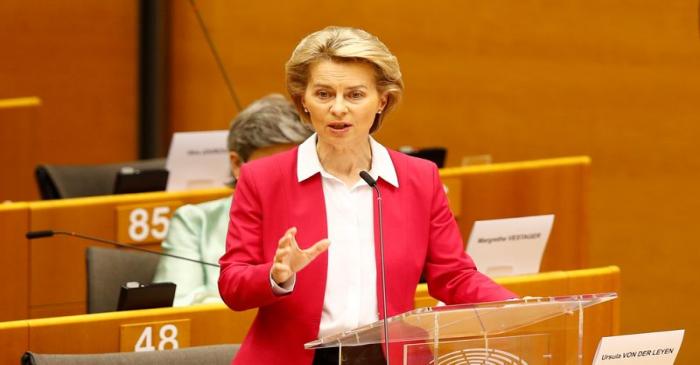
(350, 299)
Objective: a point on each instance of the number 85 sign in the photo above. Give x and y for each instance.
(144, 223)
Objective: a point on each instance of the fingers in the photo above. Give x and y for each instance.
(281, 270)
(282, 254)
(318, 248)
(293, 239)
(288, 238)
(285, 246)
(289, 258)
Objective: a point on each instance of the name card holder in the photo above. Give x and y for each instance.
(654, 348)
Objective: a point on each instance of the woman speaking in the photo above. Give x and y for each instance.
(303, 239)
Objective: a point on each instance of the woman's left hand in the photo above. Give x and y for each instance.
(290, 259)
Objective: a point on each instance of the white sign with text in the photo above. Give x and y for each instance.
(198, 160)
(657, 348)
(511, 246)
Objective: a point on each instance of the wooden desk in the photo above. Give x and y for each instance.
(47, 277)
(557, 186)
(14, 341)
(14, 261)
(215, 323)
(57, 284)
(101, 332)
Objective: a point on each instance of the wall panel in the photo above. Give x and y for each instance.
(81, 59)
(618, 81)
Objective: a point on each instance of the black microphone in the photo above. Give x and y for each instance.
(38, 234)
(50, 233)
(369, 180)
(373, 184)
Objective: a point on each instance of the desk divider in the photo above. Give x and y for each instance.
(14, 261)
(14, 341)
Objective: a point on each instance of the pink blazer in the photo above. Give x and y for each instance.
(420, 236)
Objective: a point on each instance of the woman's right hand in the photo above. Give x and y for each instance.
(289, 258)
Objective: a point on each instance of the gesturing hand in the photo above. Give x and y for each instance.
(289, 258)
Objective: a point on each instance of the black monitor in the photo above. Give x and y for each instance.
(134, 295)
(131, 180)
(435, 154)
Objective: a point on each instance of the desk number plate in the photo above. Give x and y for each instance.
(144, 223)
(155, 336)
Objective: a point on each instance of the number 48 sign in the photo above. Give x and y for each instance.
(155, 336)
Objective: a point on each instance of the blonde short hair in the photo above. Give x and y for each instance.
(343, 44)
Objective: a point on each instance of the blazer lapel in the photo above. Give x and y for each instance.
(308, 213)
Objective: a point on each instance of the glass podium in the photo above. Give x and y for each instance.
(532, 331)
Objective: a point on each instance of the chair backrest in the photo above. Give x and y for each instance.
(214, 355)
(72, 181)
(108, 269)
(435, 154)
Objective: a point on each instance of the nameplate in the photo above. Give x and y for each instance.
(657, 348)
(198, 160)
(155, 336)
(144, 223)
(512, 246)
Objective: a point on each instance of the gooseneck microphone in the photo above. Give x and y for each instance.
(373, 184)
(50, 233)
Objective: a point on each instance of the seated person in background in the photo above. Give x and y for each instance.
(267, 126)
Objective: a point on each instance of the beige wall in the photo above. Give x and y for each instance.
(619, 81)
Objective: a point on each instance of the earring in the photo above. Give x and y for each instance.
(306, 110)
(379, 111)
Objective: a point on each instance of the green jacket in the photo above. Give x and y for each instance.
(197, 232)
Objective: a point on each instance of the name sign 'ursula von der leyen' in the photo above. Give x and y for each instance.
(655, 348)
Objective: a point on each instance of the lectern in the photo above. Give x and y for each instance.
(531, 331)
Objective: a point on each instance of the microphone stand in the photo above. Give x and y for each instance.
(50, 233)
(373, 184)
(217, 57)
